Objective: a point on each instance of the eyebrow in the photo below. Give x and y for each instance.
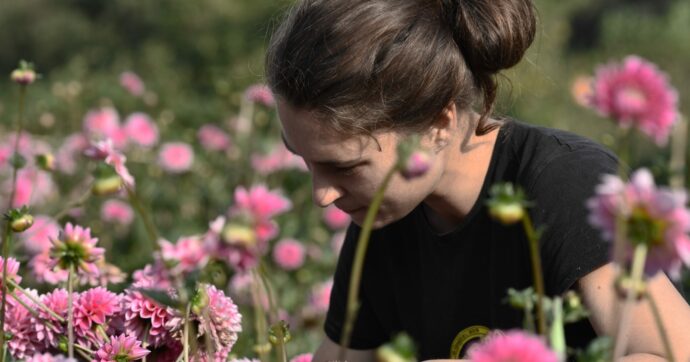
(333, 163)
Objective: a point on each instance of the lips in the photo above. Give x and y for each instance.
(349, 211)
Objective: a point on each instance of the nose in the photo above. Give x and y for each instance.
(324, 192)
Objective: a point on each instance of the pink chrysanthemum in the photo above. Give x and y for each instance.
(131, 82)
(304, 357)
(104, 150)
(260, 93)
(76, 248)
(43, 268)
(142, 314)
(188, 254)
(154, 275)
(212, 138)
(116, 211)
(176, 157)
(102, 123)
(335, 218)
(107, 274)
(141, 129)
(12, 270)
(636, 93)
(33, 187)
(120, 349)
(57, 302)
(289, 254)
(47, 357)
(654, 216)
(513, 346)
(94, 307)
(260, 203)
(37, 238)
(21, 325)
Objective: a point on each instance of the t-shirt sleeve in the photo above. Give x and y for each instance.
(570, 247)
(367, 332)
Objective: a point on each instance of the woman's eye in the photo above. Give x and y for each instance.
(346, 171)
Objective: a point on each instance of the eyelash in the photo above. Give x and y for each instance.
(346, 171)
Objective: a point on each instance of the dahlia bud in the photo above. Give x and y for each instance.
(239, 235)
(24, 75)
(279, 331)
(506, 204)
(413, 161)
(200, 301)
(46, 161)
(107, 186)
(19, 219)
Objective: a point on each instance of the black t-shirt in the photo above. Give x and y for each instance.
(443, 289)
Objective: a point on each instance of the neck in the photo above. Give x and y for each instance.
(467, 162)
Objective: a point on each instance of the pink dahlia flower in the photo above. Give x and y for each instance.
(104, 150)
(102, 123)
(12, 270)
(21, 325)
(176, 157)
(335, 218)
(654, 216)
(37, 238)
(47, 357)
(121, 348)
(43, 268)
(636, 93)
(513, 346)
(141, 129)
(142, 314)
(289, 254)
(212, 138)
(33, 187)
(74, 145)
(260, 203)
(116, 211)
(75, 247)
(131, 82)
(93, 307)
(304, 357)
(320, 296)
(260, 93)
(57, 302)
(188, 254)
(278, 159)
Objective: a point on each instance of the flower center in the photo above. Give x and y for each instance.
(644, 229)
(631, 100)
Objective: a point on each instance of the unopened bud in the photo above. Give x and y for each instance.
(506, 204)
(507, 213)
(200, 301)
(23, 76)
(20, 219)
(413, 161)
(239, 235)
(46, 161)
(107, 185)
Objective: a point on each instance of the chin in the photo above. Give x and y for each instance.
(381, 220)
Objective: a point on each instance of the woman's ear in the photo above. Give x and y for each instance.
(444, 127)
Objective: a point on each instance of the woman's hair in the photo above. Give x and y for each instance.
(367, 65)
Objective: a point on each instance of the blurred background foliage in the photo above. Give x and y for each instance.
(197, 58)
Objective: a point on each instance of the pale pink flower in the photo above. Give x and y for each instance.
(131, 82)
(33, 187)
(513, 346)
(12, 270)
(101, 123)
(152, 275)
(121, 348)
(635, 93)
(107, 274)
(93, 307)
(43, 269)
(320, 296)
(20, 324)
(37, 238)
(104, 150)
(47, 357)
(74, 145)
(142, 314)
(335, 218)
(304, 357)
(116, 211)
(655, 216)
(260, 93)
(56, 300)
(176, 157)
(140, 128)
(278, 159)
(188, 253)
(289, 254)
(76, 248)
(212, 138)
(260, 203)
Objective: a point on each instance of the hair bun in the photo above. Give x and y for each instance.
(491, 34)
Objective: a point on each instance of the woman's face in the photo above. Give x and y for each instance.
(346, 170)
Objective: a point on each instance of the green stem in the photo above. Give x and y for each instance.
(83, 354)
(186, 332)
(281, 351)
(76, 203)
(660, 325)
(145, 216)
(358, 263)
(35, 300)
(557, 331)
(621, 226)
(82, 348)
(70, 313)
(636, 273)
(3, 304)
(101, 331)
(537, 274)
(262, 345)
(268, 287)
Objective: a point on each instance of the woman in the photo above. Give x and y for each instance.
(353, 77)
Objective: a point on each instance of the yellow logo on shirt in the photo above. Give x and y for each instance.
(466, 336)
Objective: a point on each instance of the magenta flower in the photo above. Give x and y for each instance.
(176, 157)
(260, 93)
(121, 348)
(43, 268)
(188, 254)
(304, 357)
(131, 82)
(635, 93)
(93, 307)
(259, 202)
(212, 138)
(102, 123)
(12, 270)
(76, 248)
(116, 211)
(654, 216)
(47, 357)
(142, 314)
(36, 239)
(33, 187)
(141, 129)
(20, 324)
(57, 302)
(513, 346)
(335, 218)
(289, 254)
(104, 150)
(416, 165)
